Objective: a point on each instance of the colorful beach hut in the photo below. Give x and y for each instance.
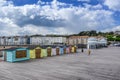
(54, 51)
(16, 54)
(61, 51)
(64, 49)
(73, 49)
(49, 51)
(67, 50)
(44, 51)
(35, 52)
(57, 51)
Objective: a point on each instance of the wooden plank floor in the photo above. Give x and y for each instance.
(102, 64)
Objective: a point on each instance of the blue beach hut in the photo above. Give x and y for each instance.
(61, 51)
(17, 54)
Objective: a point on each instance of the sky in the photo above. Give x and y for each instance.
(28, 17)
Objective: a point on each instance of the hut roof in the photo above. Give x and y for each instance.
(13, 48)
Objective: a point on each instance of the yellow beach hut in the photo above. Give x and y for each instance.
(44, 51)
(74, 49)
(35, 52)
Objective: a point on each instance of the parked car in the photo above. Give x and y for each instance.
(117, 44)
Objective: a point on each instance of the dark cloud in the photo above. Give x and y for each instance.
(39, 21)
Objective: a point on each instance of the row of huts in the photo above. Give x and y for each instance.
(32, 52)
(48, 40)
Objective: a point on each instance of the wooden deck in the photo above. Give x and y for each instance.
(102, 64)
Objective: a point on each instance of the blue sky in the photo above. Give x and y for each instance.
(20, 17)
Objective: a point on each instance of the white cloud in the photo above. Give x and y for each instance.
(2, 2)
(54, 18)
(115, 28)
(113, 4)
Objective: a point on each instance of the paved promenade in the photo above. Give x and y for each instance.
(102, 64)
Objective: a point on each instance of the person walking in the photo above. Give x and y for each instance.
(89, 51)
(82, 50)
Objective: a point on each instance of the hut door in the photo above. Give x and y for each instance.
(57, 51)
(38, 52)
(64, 50)
(49, 51)
(75, 49)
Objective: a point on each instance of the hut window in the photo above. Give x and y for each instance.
(21, 54)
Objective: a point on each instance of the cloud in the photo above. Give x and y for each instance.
(113, 4)
(53, 17)
(115, 28)
(84, 0)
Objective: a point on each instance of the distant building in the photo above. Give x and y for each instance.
(44, 40)
(14, 40)
(73, 40)
(96, 42)
(117, 32)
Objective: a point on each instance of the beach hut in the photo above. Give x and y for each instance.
(16, 54)
(35, 52)
(61, 50)
(49, 51)
(57, 51)
(54, 50)
(32, 52)
(73, 49)
(65, 49)
(44, 51)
